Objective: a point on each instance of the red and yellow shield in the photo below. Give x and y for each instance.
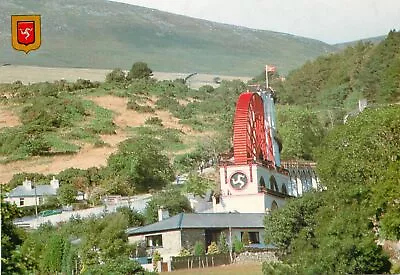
(25, 32)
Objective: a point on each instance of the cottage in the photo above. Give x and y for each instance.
(170, 235)
(28, 194)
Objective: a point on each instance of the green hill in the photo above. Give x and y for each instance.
(373, 40)
(340, 80)
(103, 34)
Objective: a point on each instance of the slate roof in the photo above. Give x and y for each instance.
(41, 190)
(202, 220)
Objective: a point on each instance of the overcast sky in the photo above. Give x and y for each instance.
(331, 21)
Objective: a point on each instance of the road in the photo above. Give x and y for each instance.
(138, 203)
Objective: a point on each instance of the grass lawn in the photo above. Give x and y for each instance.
(236, 269)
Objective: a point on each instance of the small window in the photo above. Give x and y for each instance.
(254, 237)
(284, 189)
(154, 241)
(21, 201)
(262, 183)
(217, 200)
(273, 185)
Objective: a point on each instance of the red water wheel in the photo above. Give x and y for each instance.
(249, 130)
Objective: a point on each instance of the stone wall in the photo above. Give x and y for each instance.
(246, 257)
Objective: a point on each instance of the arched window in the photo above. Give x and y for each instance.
(284, 189)
(262, 183)
(274, 206)
(272, 184)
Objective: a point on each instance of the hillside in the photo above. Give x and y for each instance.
(340, 80)
(103, 34)
(373, 40)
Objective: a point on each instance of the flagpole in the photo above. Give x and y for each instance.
(266, 76)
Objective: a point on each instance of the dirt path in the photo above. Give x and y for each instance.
(8, 118)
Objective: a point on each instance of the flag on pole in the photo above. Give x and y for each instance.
(270, 68)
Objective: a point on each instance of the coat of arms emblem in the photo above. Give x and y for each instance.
(25, 32)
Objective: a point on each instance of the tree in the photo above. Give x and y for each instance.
(199, 249)
(300, 130)
(116, 76)
(177, 205)
(139, 70)
(336, 231)
(140, 163)
(222, 244)
(134, 218)
(53, 254)
(284, 225)
(197, 185)
(11, 239)
(66, 194)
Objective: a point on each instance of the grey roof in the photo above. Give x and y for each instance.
(41, 190)
(203, 220)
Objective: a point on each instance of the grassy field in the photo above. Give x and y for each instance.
(33, 74)
(234, 269)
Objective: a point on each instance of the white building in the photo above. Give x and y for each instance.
(28, 194)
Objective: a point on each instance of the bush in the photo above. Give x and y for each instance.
(206, 89)
(199, 249)
(212, 249)
(154, 121)
(116, 76)
(222, 244)
(139, 70)
(186, 252)
(167, 103)
(237, 245)
(139, 108)
(155, 259)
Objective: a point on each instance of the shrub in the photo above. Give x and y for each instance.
(155, 259)
(222, 244)
(154, 121)
(116, 76)
(139, 70)
(186, 252)
(237, 245)
(167, 103)
(206, 89)
(139, 108)
(212, 249)
(199, 249)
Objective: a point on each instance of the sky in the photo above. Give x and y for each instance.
(331, 21)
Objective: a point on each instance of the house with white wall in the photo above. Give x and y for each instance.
(29, 194)
(169, 235)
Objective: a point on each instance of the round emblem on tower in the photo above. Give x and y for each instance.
(238, 180)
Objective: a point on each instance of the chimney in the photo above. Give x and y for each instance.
(54, 183)
(162, 214)
(27, 184)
